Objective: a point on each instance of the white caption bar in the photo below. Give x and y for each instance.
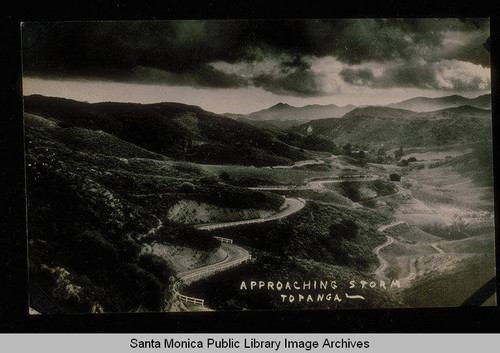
(379, 343)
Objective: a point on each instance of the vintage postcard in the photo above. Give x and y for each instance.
(258, 164)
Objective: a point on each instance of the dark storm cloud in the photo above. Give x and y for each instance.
(445, 75)
(358, 77)
(379, 40)
(299, 83)
(296, 63)
(474, 51)
(175, 46)
(173, 49)
(421, 76)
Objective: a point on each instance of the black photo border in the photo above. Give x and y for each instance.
(13, 280)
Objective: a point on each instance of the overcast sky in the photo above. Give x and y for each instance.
(243, 66)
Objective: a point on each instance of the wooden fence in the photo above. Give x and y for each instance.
(224, 240)
(192, 300)
(208, 270)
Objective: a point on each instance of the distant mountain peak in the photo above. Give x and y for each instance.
(280, 105)
(286, 112)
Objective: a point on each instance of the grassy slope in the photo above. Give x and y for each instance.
(453, 288)
(456, 183)
(465, 180)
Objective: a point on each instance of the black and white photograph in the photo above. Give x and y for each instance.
(244, 165)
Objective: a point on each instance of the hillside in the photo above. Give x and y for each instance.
(462, 111)
(109, 185)
(285, 112)
(390, 127)
(423, 104)
(174, 130)
(93, 199)
(379, 112)
(321, 241)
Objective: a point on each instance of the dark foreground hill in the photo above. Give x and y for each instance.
(171, 129)
(390, 127)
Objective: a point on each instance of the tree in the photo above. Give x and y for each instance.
(187, 187)
(399, 153)
(347, 149)
(395, 177)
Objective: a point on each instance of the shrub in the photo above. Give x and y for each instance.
(187, 187)
(399, 153)
(383, 187)
(395, 177)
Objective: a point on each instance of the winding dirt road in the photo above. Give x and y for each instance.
(387, 226)
(292, 205)
(412, 269)
(236, 254)
(379, 272)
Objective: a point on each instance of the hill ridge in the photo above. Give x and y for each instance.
(173, 130)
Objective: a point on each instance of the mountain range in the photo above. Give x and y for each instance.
(286, 112)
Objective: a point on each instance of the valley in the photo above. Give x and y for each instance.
(165, 201)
